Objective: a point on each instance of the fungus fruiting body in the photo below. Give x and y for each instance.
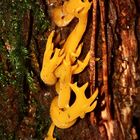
(50, 133)
(50, 63)
(58, 69)
(79, 108)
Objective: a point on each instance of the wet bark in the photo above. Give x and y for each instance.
(125, 66)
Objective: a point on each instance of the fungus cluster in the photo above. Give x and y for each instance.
(59, 65)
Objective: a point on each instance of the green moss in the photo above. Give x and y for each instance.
(43, 122)
(11, 15)
(14, 61)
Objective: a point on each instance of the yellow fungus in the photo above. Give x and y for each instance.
(75, 55)
(50, 133)
(50, 63)
(97, 59)
(64, 73)
(60, 17)
(59, 65)
(79, 108)
(79, 9)
(81, 65)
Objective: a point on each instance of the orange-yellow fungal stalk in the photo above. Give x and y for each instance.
(50, 133)
(64, 72)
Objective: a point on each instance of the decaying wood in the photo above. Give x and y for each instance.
(92, 54)
(124, 78)
(105, 114)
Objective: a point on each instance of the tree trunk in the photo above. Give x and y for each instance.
(112, 35)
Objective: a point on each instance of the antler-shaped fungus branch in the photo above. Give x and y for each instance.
(82, 104)
(81, 65)
(51, 63)
(79, 108)
(64, 72)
